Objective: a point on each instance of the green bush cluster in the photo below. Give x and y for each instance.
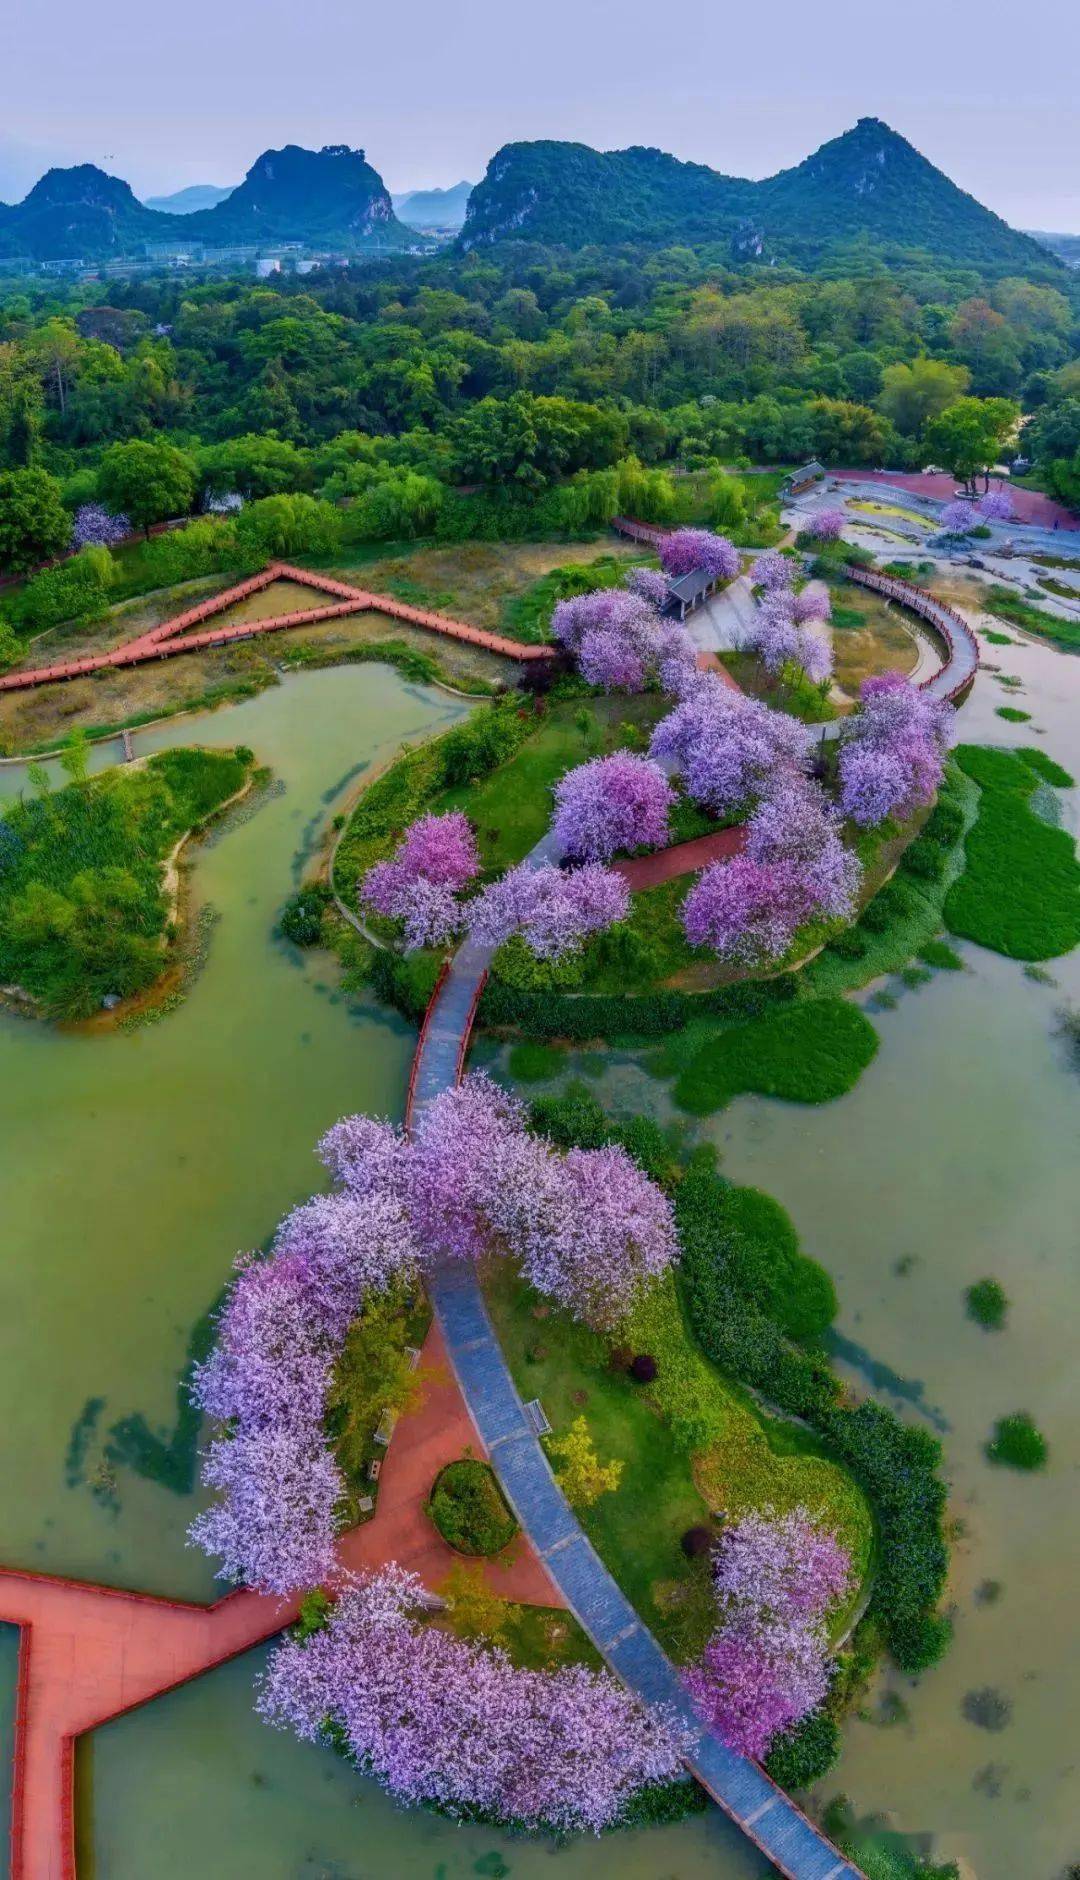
(806, 1753)
(987, 1304)
(302, 916)
(1018, 1442)
(75, 590)
(468, 1509)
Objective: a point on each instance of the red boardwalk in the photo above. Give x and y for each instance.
(176, 635)
(88, 1653)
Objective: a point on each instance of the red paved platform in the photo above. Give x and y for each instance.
(88, 1653)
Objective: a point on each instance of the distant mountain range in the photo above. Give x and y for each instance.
(433, 208)
(1065, 247)
(328, 198)
(869, 185)
(186, 201)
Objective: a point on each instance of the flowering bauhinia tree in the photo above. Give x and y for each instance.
(893, 750)
(94, 526)
(618, 638)
(612, 803)
(772, 571)
(278, 1334)
(812, 604)
(724, 746)
(827, 525)
(767, 1666)
(794, 825)
(434, 860)
(686, 550)
(959, 518)
(554, 910)
(997, 506)
(439, 1719)
(650, 584)
(588, 1229)
(746, 912)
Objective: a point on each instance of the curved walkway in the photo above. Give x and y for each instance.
(765, 1814)
(176, 635)
(89, 1653)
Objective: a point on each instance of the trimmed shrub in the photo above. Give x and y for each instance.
(468, 1509)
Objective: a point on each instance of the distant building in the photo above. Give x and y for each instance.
(798, 481)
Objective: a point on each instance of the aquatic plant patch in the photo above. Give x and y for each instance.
(813, 1052)
(1019, 892)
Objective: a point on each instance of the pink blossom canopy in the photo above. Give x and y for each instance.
(553, 909)
(435, 858)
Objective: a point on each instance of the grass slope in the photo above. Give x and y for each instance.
(1020, 889)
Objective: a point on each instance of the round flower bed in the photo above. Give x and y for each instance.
(468, 1509)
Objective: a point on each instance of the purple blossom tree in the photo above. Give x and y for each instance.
(746, 912)
(435, 1718)
(772, 571)
(997, 506)
(93, 526)
(650, 584)
(725, 746)
(959, 518)
(553, 909)
(768, 1666)
(685, 550)
(794, 826)
(909, 734)
(435, 858)
(607, 658)
(612, 803)
(812, 604)
(827, 525)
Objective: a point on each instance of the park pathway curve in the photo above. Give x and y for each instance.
(765, 1814)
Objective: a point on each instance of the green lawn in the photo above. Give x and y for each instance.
(1020, 889)
(82, 908)
(690, 1443)
(511, 808)
(809, 1052)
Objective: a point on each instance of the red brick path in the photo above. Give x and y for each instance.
(88, 1653)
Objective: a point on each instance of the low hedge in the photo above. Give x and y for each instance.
(468, 1509)
(608, 1015)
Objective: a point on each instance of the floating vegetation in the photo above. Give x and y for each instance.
(987, 1708)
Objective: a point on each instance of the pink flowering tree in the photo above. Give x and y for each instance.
(610, 804)
(686, 550)
(554, 910)
(419, 886)
(438, 1719)
(767, 1666)
(893, 750)
(745, 912)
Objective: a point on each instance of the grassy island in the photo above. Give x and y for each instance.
(87, 899)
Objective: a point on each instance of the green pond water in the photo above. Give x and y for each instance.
(138, 1164)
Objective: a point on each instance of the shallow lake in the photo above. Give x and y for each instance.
(137, 1164)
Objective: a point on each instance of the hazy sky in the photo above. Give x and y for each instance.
(166, 95)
